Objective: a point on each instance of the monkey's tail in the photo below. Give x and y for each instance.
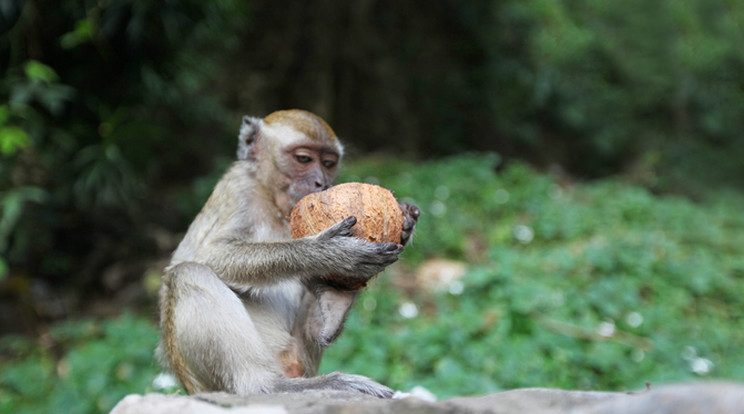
(172, 351)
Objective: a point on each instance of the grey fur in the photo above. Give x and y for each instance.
(247, 136)
(240, 293)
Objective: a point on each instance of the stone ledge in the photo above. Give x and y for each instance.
(703, 398)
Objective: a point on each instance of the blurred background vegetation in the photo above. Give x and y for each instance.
(578, 164)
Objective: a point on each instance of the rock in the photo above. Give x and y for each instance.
(692, 398)
(533, 401)
(701, 398)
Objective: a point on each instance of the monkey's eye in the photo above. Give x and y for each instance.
(303, 159)
(329, 164)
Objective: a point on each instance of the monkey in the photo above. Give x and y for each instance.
(244, 308)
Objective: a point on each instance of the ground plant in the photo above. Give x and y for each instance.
(579, 285)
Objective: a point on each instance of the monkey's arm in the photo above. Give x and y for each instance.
(412, 213)
(333, 251)
(326, 320)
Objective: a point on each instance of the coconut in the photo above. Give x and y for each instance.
(378, 214)
(379, 217)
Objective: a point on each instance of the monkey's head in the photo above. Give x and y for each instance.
(295, 152)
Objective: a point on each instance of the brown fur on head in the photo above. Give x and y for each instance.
(307, 123)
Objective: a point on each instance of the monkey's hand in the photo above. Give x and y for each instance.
(412, 213)
(354, 257)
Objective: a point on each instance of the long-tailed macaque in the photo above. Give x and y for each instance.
(245, 308)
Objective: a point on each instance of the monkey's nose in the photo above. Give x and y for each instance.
(320, 186)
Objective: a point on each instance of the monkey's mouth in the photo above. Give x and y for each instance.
(299, 194)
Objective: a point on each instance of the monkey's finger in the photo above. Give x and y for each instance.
(411, 210)
(409, 223)
(414, 211)
(344, 227)
(391, 248)
(372, 268)
(405, 236)
(340, 229)
(390, 259)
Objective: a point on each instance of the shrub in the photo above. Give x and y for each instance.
(592, 286)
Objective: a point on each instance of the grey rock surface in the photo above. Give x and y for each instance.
(692, 398)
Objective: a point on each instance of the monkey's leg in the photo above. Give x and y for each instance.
(209, 337)
(326, 311)
(213, 344)
(327, 314)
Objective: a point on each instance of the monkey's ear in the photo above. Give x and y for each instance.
(249, 133)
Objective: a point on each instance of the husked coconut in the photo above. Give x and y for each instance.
(379, 217)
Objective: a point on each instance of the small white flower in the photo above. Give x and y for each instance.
(634, 319)
(500, 196)
(606, 329)
(701, 366)
(456, 287)
(164, 381)
(689, 353)
(408, 310)
(417, 392)
(524, 234)
(423, 394)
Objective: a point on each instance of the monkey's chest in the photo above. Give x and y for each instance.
(275, 306)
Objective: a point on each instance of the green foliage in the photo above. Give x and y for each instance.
(39, 72)
(100, 363)
(108, 107)
(11, 205)
(592, 286)
(98, 101)
(83, 32)
(595, 86)
(12, 139)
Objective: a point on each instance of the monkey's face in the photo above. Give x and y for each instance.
(313, 167)
(297, 154)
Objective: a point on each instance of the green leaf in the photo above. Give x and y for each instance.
(4, 114)
(83, 32)
(12, 139)
(39, 72)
